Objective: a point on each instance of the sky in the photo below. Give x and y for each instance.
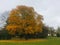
(50, 9)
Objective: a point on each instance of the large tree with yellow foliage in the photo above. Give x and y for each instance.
(24, 20)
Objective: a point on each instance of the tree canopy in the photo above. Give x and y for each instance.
(24, 20)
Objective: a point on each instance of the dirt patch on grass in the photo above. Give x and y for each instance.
(30, 40)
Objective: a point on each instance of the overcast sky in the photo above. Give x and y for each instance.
(50, 9)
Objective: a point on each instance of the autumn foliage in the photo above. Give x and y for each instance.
(24, 20)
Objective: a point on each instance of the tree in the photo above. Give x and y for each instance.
(23, 20)
(51, 31)
(58, 32)
(44, 32)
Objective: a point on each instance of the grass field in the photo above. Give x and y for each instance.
(48, 41)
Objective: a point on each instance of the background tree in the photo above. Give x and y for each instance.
(45, 31)
(42, 34)
(51, 31)
(58, 32)
(4, 34)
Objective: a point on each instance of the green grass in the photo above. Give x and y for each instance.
(50, 41)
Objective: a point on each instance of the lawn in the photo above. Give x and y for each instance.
(48, 41)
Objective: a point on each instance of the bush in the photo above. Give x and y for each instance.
(58, 35)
